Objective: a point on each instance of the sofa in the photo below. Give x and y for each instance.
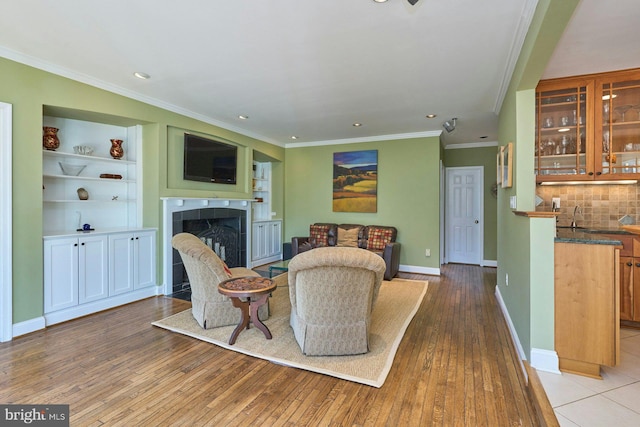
(332, 292)
(378, 239)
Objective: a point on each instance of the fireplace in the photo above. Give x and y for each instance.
(223, 230)
(223, 225)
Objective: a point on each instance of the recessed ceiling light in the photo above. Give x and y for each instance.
(380, 1)
(294, 137)
(241, 117)
(357, 125)
(431, 116)
(143, 76)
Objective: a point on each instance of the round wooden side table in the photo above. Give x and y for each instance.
(247, 287)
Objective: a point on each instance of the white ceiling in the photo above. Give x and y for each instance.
(312, 68)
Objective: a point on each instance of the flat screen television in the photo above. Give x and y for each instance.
(208, 160)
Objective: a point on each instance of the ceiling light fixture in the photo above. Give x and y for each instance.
(242, 117)
(379, 1)
(357, 125)
(431, 116)
(450, 125)
(143, 76)
(294, 137)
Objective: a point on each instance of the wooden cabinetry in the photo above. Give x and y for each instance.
(588, 128)
(629, 279)
(587, 332)
(266, 242)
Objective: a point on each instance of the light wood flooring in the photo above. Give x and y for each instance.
(455, 367)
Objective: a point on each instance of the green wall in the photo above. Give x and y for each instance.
(29, 90)
(525, 246)
(408, 193)
(485, 157)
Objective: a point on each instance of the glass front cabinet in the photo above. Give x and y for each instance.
(588, 128)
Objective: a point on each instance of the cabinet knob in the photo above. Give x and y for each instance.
(629, 264)
(590, 173)
(132, 238)
(598, 173)
(637, 264)
(75, 244)
(82, 243)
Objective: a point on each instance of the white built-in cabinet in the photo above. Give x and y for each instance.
(266, 242)
(115, 262)
(266, 233)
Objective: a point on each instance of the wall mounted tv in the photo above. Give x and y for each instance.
(208, 160)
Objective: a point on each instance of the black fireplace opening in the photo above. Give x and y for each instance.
(221, 229)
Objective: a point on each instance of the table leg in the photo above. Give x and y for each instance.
(244, 321)
(255, 305)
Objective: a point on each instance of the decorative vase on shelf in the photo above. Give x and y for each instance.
(116, 149)
(50, 139)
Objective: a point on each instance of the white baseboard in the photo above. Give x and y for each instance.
(545, 360)
(512, 331)
(420, 270)
(28, 326)
(96, 306)
(489, 263)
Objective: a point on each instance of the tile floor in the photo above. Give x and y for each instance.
(612, 401)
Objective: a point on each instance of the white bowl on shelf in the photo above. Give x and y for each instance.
(71, 170)
(83, 149)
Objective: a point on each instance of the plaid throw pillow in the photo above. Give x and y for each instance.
(318, 235)
(378, 238)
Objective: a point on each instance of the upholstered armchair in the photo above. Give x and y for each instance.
(332, 292)
(206, 270)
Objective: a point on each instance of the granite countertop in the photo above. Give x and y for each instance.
(592, 236)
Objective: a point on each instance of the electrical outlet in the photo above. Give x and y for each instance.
(427, 252)
(555, 201)
(506, 279)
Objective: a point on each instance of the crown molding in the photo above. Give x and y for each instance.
(528, 10)
(472, 145)
(101, 84)
(393, 137)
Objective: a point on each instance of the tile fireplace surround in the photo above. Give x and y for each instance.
(170, 205)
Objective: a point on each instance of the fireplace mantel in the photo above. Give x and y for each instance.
(181, 204)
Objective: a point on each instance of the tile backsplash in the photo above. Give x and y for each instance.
(602, 205)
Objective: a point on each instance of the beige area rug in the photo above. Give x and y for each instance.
(397, 303)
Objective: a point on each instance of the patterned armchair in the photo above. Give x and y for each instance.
(205, 270)
(332, 292)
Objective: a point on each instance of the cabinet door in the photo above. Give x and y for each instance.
(121, 263)
(93, 274)
(628, 271)
(259, 241)
(635, 295)
(275, 244)
(145, 259)
(60, 274)
(618, 133)
(563, 131)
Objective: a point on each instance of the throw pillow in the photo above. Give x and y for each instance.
(318, 235)
(348, 237)
(378, 238)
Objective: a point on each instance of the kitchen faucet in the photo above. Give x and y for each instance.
(573, 222)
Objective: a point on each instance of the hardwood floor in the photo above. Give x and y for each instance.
(454, 367)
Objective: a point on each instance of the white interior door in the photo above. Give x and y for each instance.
(6, 276)
(464, 222)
